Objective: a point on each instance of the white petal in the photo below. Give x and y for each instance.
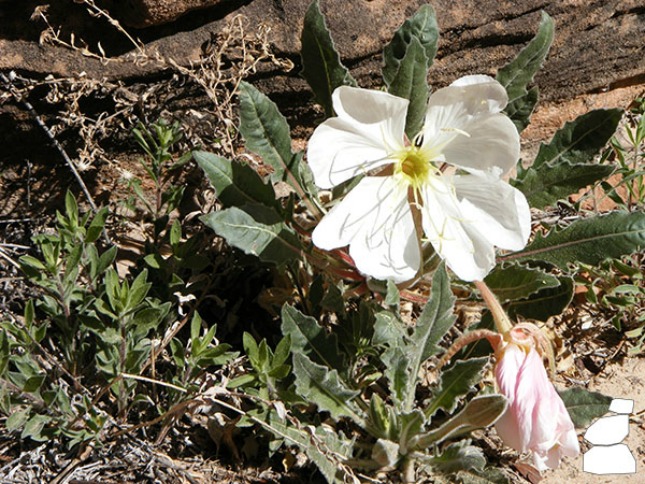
(370, 126)
(337, 151)
(499, 212)
(376, 221)
(468, 254)
(464, 123)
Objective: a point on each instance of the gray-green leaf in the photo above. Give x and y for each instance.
(584, 406)
(257, 230)
(455, 383)
(310, 339)
(423, 27)
(564, 165)
(411, 82)
(322, 67)
(545, 303)
(322, 386)
(512, 282)
(589, 241)
(517, 74)
(236, 184)
(266, 133)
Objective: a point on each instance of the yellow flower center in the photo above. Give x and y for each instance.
(415, 166)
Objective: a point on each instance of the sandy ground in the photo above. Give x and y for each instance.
(626, 381)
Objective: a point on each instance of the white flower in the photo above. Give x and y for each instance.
(447, 183)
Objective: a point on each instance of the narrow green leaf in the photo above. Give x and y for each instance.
(544, 303)
(257, 230)
(519, 73)
(512, 282)
(325, 447)
(578, 141)
(235, 183)
(96, 225)
(460, 456)
(310, 339)
(564, 165)
(422, 26)
(479, 412)
(455, 383)
(411, 82)
(399, 375)
(491, 475)
(545, 185)
(589, 241)
(322, 67)
(266, 133)
(433, 323)
(322, 386)
(584, 406)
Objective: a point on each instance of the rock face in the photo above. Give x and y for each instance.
(145, 13)
(598, 44)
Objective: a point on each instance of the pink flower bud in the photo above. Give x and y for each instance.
(536, 419)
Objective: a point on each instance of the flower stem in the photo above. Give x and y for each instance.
(502, 322)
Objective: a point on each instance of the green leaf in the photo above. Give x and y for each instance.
(589, 241)
(517, 74)
(322, 67)
(512, 282)
(460, 456)
(423, 28)
(96, 225)
(544, 303)
(578, 141)
(399, 375)
(322, 386)
(455, 383)
(17, 419)
(257, 230)
(487, 476)
(266, 133)
(325, 447)
(235, 183)
(310, 339)
(479, 412)
(584, 406)
(546, 184)
(411, 82)
(433, 323)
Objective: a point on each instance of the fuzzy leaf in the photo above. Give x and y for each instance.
(411, 82)
(546, 184)
(513, 282)
(322, 67)
(266, 133)
(322, 386)
(435, 320)
(578, 141)
(257, 230)
(487, 476)
(235, 183)
(310, 339)
(589, 241)
(479, 412)
(545, 303)
(564, 165)
(459, 456)
(423, 27)
(519, 73)
(584, 406)
(455, 383)
(325, 448)
(398, 373)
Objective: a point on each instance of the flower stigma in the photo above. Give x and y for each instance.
(415, 166)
